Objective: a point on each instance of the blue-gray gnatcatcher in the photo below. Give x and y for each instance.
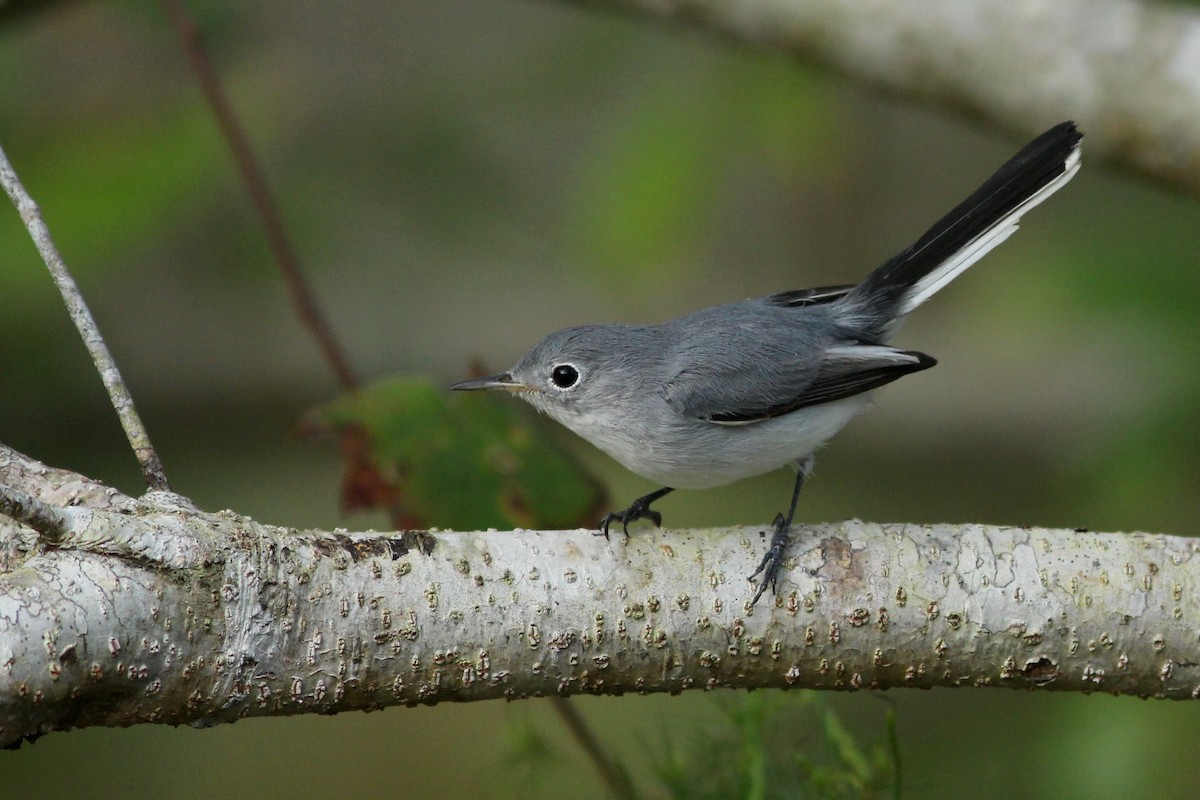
(744, 388)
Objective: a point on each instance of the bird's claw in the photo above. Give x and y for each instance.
(772, 560)
(638, 509)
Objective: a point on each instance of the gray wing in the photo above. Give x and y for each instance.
(845, 371)
(748, 379)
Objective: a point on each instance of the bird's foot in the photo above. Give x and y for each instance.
(772, 560)
(638, 509)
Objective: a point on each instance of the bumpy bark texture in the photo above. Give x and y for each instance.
(117, 611)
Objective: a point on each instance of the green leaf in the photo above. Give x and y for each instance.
(460, 461)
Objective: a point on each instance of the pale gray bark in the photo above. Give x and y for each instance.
(1128, 72)
(120, 611)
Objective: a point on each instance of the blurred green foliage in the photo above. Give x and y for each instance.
(650, 185)
(753, 746)
(771, 747)
(116, 181)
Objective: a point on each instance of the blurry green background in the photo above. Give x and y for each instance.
(462, 177)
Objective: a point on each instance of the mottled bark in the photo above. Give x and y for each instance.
(120, 611)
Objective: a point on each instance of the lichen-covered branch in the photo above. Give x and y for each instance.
(150, 611)
(1128, 72)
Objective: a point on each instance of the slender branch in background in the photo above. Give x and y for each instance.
(614, 777)
(894, 748)
(260, 194)
(118, 392)
(256, 185)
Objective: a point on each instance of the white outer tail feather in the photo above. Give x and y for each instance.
(952, 267)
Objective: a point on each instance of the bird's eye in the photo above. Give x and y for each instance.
(564, 376)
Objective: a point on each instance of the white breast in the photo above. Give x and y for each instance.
(696, 454)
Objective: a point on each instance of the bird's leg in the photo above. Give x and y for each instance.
(772, 560)
(638, 509)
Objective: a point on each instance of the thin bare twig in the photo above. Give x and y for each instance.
(118, 392)
(256, 185)
(260, 194)
(615, 778)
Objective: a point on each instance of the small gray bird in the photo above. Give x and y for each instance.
(744, 388)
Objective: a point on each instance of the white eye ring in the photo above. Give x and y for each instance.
(564, 376)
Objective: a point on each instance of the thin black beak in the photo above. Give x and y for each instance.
(503, 380)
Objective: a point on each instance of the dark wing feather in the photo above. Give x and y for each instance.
(763, 358)
(846, 371)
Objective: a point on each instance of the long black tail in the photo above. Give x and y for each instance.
(959, 239)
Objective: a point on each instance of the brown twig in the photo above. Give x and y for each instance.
(118, 392)
(614, 777)
(260, 194)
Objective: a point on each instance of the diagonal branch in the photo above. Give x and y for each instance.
(260, 194)
(118, 392)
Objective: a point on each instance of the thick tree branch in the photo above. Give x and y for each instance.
(1128, 72)
(160, 613)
